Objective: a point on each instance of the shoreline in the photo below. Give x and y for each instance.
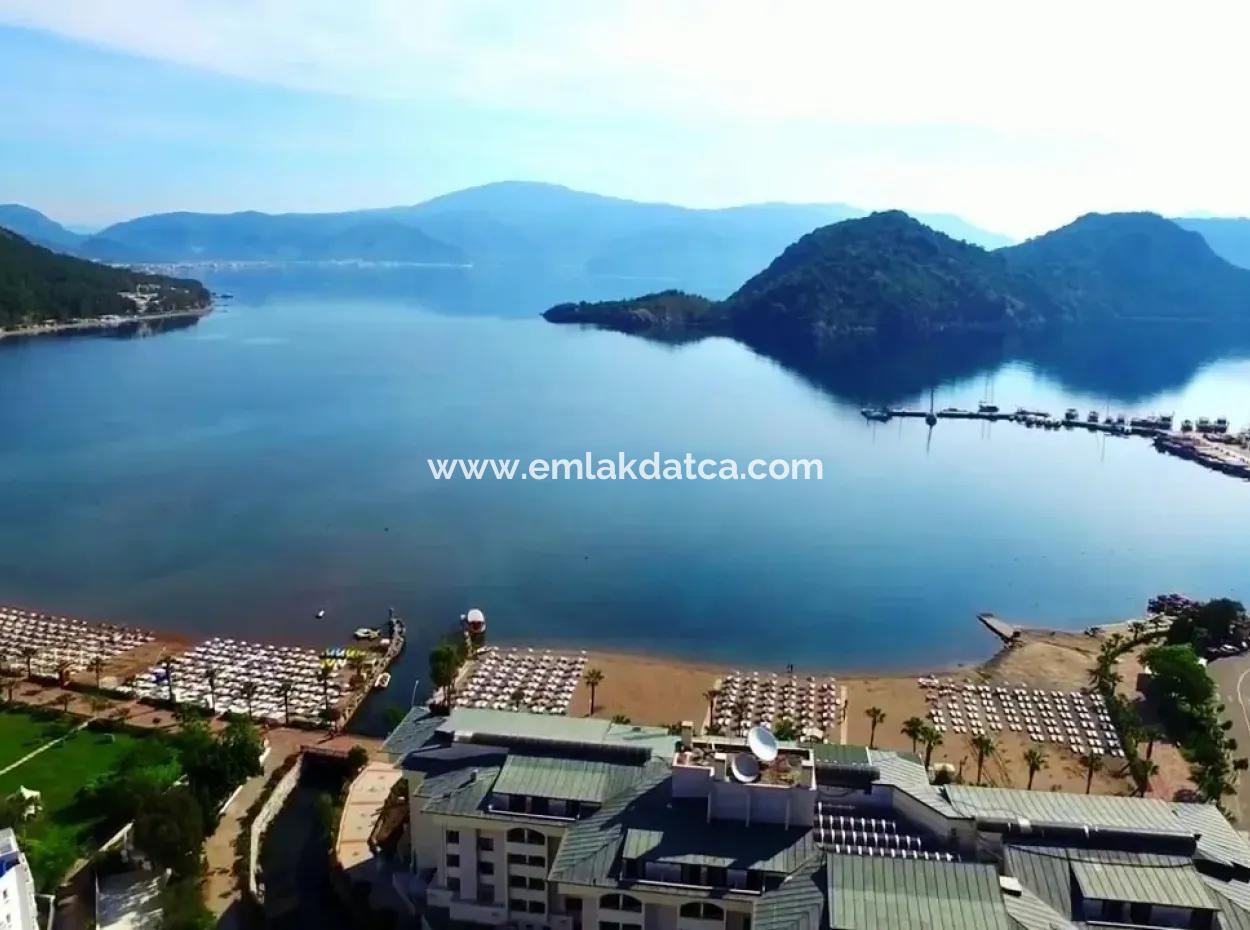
(103, 325)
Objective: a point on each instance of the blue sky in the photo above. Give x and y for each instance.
(1016, 116)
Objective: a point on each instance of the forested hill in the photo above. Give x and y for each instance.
(38, 285)
(889, 274)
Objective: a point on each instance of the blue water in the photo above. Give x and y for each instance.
(238, 475)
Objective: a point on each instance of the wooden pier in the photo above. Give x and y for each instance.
(1000, 628)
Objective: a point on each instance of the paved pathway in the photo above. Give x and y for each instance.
(1232, 679)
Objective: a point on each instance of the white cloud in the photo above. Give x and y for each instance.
(1148, 93)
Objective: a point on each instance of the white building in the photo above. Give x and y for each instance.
(17, 887)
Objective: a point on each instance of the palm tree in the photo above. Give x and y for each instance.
(356, 662)
(1150, 733)
(29, 653)
(247, 691)
(168, 664)
(210, 675)
(711, 694)
(518, 696)
(63, 699)
(1137, 628)
(323, 676)
(1035, 760)
(1091, 762)
(63, 668)
(912, 728)
(594, 678)
(1143, 770)
(98, 704)
(931, 739)
(284, 691)
(740, 711)
(96, 665)
(10, 682)
(984, 746)
(876, 715)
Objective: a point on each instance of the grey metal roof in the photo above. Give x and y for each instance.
(691, 840)
(1032, 913)
(507, 725)
(838, 754)
(871, 892)
(413, 732)
(1047, 876)
(905, 772)
(1234, 901)
(798, 904)
(1217, 840)
(1174, 886)
(590, 846)
(564, 779)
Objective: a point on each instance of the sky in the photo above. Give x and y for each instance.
(1018, 116)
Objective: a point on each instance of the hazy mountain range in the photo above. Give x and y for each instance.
(506, 224)
(888, 274)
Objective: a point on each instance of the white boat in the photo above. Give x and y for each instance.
(365, 632)
(382, 681)
(321, 614)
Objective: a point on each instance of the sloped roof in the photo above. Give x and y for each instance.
(799, 902)
(1032, 913)
(1175, 886)
(413, 732)
(691, 840)
(510, 727)
(564, 779)
(872, 892)
(907, 773)
(1233, 899)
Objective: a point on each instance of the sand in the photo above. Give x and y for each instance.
(659, 691)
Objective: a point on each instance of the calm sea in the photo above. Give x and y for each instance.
(238, 475)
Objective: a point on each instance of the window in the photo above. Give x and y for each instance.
(573, 905)
(453, 836)
(516, 904)
(528, 837)
(516, 881)
(485, 894)
(486, 868)
(453, 884)
(621, 902)
(522, 859)
(485, 843)
(613, 925)
(453, 860)
(536, 884)
(701, 910)
(538, 907)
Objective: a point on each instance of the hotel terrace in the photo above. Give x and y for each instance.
(533, 821)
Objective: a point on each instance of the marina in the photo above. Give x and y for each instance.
(1206, 441)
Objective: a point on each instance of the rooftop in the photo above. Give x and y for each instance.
(511, 727)
(564, 779)
(868, 893)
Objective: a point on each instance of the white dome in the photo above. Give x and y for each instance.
(475, 618)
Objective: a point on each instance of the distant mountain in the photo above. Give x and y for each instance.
(1228, 237)
(508, 225)
(1133, 266)
(890, 274)
(38, 285)
(37, 228)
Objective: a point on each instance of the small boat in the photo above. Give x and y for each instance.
(365, 632)
(878, 415)
(984, 407)
(1165, 420)
(321, 614)
(1221, 425)
(1071, 415)
(382, 681)
(1093, 417)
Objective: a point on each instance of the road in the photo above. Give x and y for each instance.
(1232, 678)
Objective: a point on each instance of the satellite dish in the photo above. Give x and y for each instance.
(763, 744)
(745, 768)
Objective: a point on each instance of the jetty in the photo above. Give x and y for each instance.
(1208, 443)
(1000, 628)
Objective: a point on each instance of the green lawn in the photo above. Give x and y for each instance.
(61, 771)
(21, 733)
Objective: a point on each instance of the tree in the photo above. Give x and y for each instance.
(217, 764)
(1091, 762)
(98, 704)
(877, 716)
(445, 661)
(210, 676)
(912, 728)
(984, 746)
(356, 662)
(1035, 760)
(96, 666)
(1142, 771)
(1179, 676)
(324, 673)
(711, 694)
(63, 669)
(357, 757)
(63, 699)
(932, 738)
(518, 698)
(247, 691)
(169, 830)
(786, 729)
(28, 654)
(594, 678)
(168, 664)
(285, 687)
